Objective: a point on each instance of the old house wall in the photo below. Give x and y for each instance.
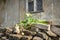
(51, 10)
(48, 9)
(56, 12)
(1, 12)
(22, 9)
(11, 13)
(14, 11)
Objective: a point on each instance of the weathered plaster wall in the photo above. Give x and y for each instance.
(51, 11)
(11, 13)
(56, 12)
(22, 9)
(2, 14)
(48, 9)
(14, 10)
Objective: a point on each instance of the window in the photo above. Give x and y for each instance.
(34, 6)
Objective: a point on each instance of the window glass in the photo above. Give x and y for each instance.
(39, 5)
(30, 6)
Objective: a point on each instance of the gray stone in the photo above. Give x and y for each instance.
(14, 37)
(2, 30)
(50, 33)
(42, 26)
(23, 38)
(3, 38)
(56, 29)
(37, 38)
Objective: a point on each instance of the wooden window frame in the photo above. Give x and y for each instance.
(35, 7)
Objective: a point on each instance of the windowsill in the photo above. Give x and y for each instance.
(36, 11)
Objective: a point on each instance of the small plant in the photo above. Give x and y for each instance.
(30, 21)
(42, 22)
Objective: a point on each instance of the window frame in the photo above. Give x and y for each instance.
(35, 7)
